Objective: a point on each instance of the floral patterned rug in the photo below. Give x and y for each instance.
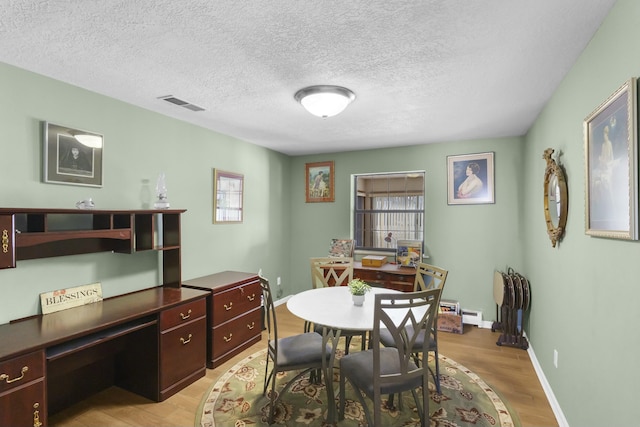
(236, 400)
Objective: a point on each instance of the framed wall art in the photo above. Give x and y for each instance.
(72, 156)
(319, 182)
(470, 179)
(228, 190)
(611, 143)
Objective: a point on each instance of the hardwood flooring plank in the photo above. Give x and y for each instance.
(506, 369)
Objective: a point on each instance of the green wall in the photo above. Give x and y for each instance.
(583, 291)
(469, 240)
(139, 145)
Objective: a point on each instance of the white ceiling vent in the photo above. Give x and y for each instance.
(179, 102)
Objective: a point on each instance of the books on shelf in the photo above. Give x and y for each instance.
(449, 317)
(449, 306)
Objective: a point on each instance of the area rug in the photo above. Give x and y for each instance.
(236, 400)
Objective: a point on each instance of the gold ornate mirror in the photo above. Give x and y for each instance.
(556, 198)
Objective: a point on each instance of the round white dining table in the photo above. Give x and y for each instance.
(333, 308)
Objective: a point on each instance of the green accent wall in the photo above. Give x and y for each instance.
(583, 291)
(139, 144)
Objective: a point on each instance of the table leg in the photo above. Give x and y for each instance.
(330, 335)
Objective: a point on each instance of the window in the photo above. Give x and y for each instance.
(388, 207)
(228, 189)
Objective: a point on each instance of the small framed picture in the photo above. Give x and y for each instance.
(72, 156)
(611, 143)
(470, 179)
(319, 182)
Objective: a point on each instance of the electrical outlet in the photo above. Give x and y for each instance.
(555, 358)
(278, 281)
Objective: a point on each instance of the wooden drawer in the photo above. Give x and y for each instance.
(232, 334)
(235, 302)
(372, 276)
(182, 314)
(20, 370)
(401, 282)
(182, 352)
(400, 286)
(24, 406)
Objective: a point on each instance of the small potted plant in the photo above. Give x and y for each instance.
(358, 288)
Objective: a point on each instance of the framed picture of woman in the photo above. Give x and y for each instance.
(319, 182)
(610, 143)
(470, 179)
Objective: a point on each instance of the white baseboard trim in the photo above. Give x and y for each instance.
(486, 324)
(281, 300)
(555, 406)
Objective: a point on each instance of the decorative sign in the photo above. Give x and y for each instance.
(71, 297)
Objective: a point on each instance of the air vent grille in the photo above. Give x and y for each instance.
(181, 103)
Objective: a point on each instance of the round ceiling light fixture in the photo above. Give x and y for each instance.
(325, 100)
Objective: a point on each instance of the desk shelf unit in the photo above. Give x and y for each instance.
(151, 342)
(42, 233)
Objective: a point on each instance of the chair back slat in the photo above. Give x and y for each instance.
(429, 277)
(395, 312)
(327, 271)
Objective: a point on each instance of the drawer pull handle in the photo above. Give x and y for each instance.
(252, 297)
(5, 241)
(185, 316)
(227, 339)
(251, 326)
(187, 341)
(228, 307)
(36, 415)
(5, 377)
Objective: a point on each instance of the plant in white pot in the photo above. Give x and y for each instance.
(358, 288)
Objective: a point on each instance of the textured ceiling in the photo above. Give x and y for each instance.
(423, 71)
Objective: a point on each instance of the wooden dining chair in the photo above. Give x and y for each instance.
(427, 277)
(392, 369)
(325, 272)
(299, 352)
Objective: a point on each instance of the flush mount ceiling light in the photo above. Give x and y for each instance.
(323, 100)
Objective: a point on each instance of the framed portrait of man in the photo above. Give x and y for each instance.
(72, 156)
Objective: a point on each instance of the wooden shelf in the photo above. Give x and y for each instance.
(30, 233)
(32, 239)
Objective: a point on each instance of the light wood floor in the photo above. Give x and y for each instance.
(507, 370)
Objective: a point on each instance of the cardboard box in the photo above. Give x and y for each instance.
(450, 323)
(374, 261)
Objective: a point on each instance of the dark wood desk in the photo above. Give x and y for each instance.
(151, 342)
(390, 276)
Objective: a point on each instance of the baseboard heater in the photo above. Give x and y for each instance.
(472, 317)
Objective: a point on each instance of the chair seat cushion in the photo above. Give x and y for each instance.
(387, 340)
(302, 349)
(358, 367)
